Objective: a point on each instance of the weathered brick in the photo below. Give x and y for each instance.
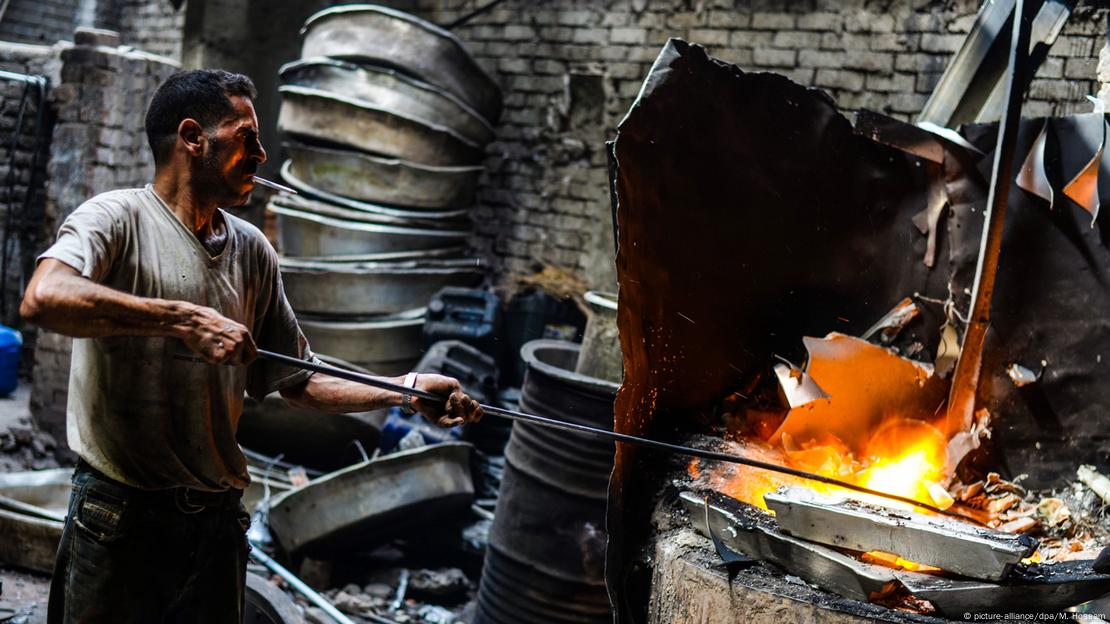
(729, 19)
(709, 36)
(750, 39)
(628, 35)
(819, 58)
(1083, 68)
(839, 79)
(932, 42)
(920, 62)
(684, 20)
(590, 35)
(740, 57)
(1073, 46)
(820, 21)
(1052, 67)
(797, 40)
(869, 61)
(894, 42)
(772, 21)
(774, 58)
(890, 82)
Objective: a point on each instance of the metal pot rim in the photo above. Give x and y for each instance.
(442, 253)
(353, 204)
(528, 353)
(389, 321)
(393, 73)
(462, 265)
(449, 451)
(378, 159)
(363, 226)
(373, 8)
(364, 105)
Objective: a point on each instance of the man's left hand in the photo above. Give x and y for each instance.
(459, 407)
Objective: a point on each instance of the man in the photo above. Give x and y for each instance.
(155, 531)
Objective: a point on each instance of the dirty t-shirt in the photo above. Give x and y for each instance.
(147, 411)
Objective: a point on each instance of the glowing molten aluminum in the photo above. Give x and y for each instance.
(874, 422)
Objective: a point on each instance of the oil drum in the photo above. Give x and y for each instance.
(546, 557)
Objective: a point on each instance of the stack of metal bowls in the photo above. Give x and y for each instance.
(386, 118)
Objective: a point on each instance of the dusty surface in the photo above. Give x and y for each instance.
(23, 596)
(22, 445)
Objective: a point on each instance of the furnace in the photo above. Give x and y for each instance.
(794, 289)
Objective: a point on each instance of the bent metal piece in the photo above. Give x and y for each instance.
(387, 37)
(389, 89)
(311, 234)
(1039, 589)
(375, 179)
(313, 199)
(374, 500)
(364, 289)
(266, 603)
(32, 509)
(954, 546)
(388, 345)
(332, 117)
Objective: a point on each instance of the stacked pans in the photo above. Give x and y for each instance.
(386, 119)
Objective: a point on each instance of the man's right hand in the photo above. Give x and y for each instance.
(218, 339)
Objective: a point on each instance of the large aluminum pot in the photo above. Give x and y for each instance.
(389, 89)
(323, 202)
(366, 289)
(370, 502)
(306, 233)
(387, 345)
(375, 179)
(382, 36)
(318, 114)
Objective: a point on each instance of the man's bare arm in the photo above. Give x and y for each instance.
(60, 299)
(330, 394)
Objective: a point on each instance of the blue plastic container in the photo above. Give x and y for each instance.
(11, 344)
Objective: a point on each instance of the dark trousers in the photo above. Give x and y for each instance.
(133, 557)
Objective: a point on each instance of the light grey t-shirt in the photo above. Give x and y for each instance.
(144, 410)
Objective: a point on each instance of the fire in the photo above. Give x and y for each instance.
(872, 425)
(908, 458)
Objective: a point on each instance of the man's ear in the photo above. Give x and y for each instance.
(191, 135)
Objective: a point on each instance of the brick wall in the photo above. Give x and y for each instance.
(98, 145)
(22, 189)
(571, 68)
(39, 21)
(152, 25)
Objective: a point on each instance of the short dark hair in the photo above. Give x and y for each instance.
(200, 94)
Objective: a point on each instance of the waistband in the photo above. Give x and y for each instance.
(186, 499)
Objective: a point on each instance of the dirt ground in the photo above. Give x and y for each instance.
(23, 596)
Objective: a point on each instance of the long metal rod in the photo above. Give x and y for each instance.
(603, 433)
(965, 380)
(299, 585)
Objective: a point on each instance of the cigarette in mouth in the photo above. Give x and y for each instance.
(274, 185)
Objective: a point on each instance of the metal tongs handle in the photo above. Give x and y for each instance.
(603, 433)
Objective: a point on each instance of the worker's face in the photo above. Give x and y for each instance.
(232, 155)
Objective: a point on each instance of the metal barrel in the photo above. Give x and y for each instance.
(546, 557)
